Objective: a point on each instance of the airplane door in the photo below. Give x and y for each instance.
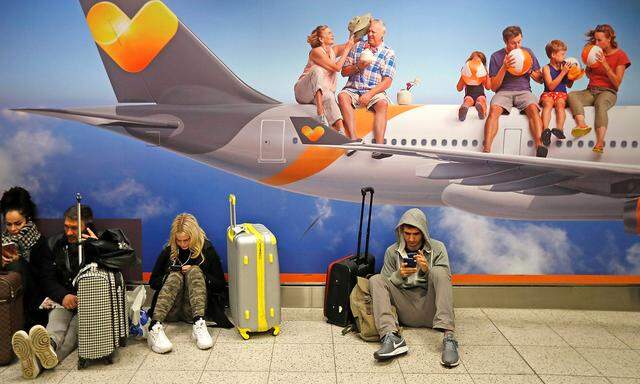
(271, 141)
(511, 142)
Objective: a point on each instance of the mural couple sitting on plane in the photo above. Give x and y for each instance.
(370, 67)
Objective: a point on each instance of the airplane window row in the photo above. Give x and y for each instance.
(475, 143)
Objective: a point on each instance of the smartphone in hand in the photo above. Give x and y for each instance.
(410, 260)
(10, 248)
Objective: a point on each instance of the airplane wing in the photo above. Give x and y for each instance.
(525, 174)
(102, 119)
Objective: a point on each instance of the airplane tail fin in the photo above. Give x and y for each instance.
(150, 56)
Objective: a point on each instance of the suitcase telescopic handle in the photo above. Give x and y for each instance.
(232, 210)
(364, 192)
(79, 221)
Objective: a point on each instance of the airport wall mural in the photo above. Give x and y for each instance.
(50, 59)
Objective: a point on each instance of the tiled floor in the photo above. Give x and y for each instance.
(496, 346)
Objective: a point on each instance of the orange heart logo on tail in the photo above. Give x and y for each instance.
(132, 43)
(313, 134)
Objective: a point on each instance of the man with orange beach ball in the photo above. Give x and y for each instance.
(510, 70)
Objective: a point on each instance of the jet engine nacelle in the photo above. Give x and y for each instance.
(631, 216)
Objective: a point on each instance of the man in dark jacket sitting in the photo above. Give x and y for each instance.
(46, 347)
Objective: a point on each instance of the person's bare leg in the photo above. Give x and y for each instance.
(318, 101)
(561, 114)
(380, 120)
(535, 123)
(348, 113)
(491, 127)
(547, 106)
(601, 132)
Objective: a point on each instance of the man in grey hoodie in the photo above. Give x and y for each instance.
(420, 291)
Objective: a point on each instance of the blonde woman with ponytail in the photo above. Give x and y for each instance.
(317, 84)
(189, 285)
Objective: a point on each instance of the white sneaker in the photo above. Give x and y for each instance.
(157, 340)
(41, 343)
(201, 335)
(21, 345)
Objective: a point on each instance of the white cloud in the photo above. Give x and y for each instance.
(632, 258)
(323, 211)
(15, 116)
(385, 215)
(480, 244)
(131, 199)
(24, 154)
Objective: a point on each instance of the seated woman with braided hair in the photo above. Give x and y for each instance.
(189, 285)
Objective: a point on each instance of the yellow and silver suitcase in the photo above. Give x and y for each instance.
(254, 276)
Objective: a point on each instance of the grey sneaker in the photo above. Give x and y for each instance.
(380, 155)
(450, 356)
(392, 345)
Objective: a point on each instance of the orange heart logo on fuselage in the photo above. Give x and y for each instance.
(132, 43)
(313, 134)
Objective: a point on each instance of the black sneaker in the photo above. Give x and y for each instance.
(450, 357)
(541, 151)
(351, 152)
(380, 155)
(546, 137)
(392, 345)
(558, 133)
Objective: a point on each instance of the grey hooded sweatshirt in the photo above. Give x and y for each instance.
(434, 250)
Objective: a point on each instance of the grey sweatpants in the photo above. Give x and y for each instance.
(306, 88)
(416, 307)
(63, 329)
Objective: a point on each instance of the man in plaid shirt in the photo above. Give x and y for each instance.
(368, 82)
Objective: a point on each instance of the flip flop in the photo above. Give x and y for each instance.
(598, 149)
(580, 131)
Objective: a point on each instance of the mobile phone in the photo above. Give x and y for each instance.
(410, 260)
(10, 248)
(174, 267)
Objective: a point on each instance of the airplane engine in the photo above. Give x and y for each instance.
(631, 216)
(550, 205)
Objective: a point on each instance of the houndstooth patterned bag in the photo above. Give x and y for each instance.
(102, 321)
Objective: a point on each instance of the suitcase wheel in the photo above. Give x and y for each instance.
(244, 333)
(82, 363)
(276, 330)
(109, 360)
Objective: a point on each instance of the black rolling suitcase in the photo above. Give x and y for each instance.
(342, 274)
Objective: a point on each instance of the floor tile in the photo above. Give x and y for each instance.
(628, 334)
(426, 378)
(128, 358)
(183, 357)
(98, 377)
(564, 316)
(229, 377)
(589, 336)
(233, 336)
(621, 380)
(613, 362)
(370, 378)
(550, 379)
(180, 332)
(479, 331)
(162, 377)
(349, 338)
(493, 359)
(312, 314)
(530, 333)
(426, 359)
(512, 314)
(359, 358)
(506, 379)
(240, 357)
(422, 336)
(614, 318)
(302, 377)
(303, 358)
(556, 361)
(13, 374)
(307, 332)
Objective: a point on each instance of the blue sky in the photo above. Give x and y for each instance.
(49, 59)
